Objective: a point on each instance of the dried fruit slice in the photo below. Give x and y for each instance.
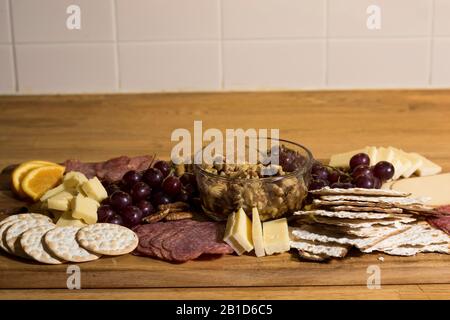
(40, 180)
(22, 170)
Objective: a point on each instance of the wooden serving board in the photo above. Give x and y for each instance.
(129, 271)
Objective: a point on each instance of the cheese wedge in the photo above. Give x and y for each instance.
(257, 233)
(94, 189)
(435, 187)
(52, 192)
(85, 209)
(427, 168)
(239, 235)
(228, 236)
(72, 180)
(276, 236)
(342, 160)
(66, 220)
(416, 163)
(60, 202)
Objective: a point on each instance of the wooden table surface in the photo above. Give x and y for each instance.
(97, 127)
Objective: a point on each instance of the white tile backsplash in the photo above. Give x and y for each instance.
(7, 82)
(5, 31)
(214, 45)
(45, 21)
(66, 68)
(190, 66)
(274, 64)
(378, 63)
(441, 63)
(168, 20)
(263, 19)
(348, 18)
(442, 17)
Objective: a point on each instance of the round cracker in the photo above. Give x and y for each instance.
(3, 228)
(62, 243)
(22, 216)
(32, 243)
(108, 239)
(14, 232)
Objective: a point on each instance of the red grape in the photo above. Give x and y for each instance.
(153, 177)
(377, 183)
(115, 219)
(342, 185)
(384, 170)
(333, 176)
(162, 166)
(104, 212)
(160, 198)
(362, 170)
(171, 186)
(140, 191)
(131, 216)
(131, 178)
(321, 174)
(120, 200)
(146, 207)
(318, 184)
(183, 196)
(287, 161)
(365, 182)
(111, 188)
(359, 159)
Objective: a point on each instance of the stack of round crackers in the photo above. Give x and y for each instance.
(35, 236)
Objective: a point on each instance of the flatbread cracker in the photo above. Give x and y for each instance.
(411, 250)
(359, 223)
(17, 229)
(384, 200)
(321, 202)
(62, 243)
(360, 192)
(329, 250)
(344, 214)
(106, 238)
(365, 209)
(32, 243)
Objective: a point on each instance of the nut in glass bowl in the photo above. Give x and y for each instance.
(226, 187)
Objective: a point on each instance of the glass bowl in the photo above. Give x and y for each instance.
(274, 196)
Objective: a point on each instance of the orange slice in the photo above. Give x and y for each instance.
(21, 171)
(40, 180)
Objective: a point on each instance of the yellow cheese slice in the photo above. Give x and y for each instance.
(416, 163)
(52, 192)
(342, 159)
(385, 154)
(242, 230)
(276, 236)
(373, 155)
(257, 234)
(428, 167)
(436, 187)
(228, 236)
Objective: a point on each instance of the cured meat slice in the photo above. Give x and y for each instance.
(111, 170)
(181, 241)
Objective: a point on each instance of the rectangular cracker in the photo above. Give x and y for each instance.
(322, 249)
(359, 223)
(344, 214)
(384, 200)
(360, 192)
(365, 209)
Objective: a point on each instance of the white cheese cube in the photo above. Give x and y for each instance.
(94, 189)
(428, 168)
(85, 209)
(66, 220)
(276, 236)
(73, 179)
(59, 204)
(257, 234)
(52, 192)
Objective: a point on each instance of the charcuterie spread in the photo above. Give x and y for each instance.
(374, 199)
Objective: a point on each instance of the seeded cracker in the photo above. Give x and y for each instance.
(384, 200)
(32, 243)
(108, 239)
(61, 242)
(327, 250)
(17, 229)
(365, 209)
(360, 192)
(344, 214)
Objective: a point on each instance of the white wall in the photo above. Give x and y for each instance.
(214, 45)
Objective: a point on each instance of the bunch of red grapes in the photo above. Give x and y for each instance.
(138, 195)
(359, 175)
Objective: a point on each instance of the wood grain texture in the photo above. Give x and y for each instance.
(390, 292)
(97, 127)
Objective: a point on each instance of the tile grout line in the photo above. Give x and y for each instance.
(221, 64)
(13, 47)
(116, 47)
(431, 44)
(327, 44)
